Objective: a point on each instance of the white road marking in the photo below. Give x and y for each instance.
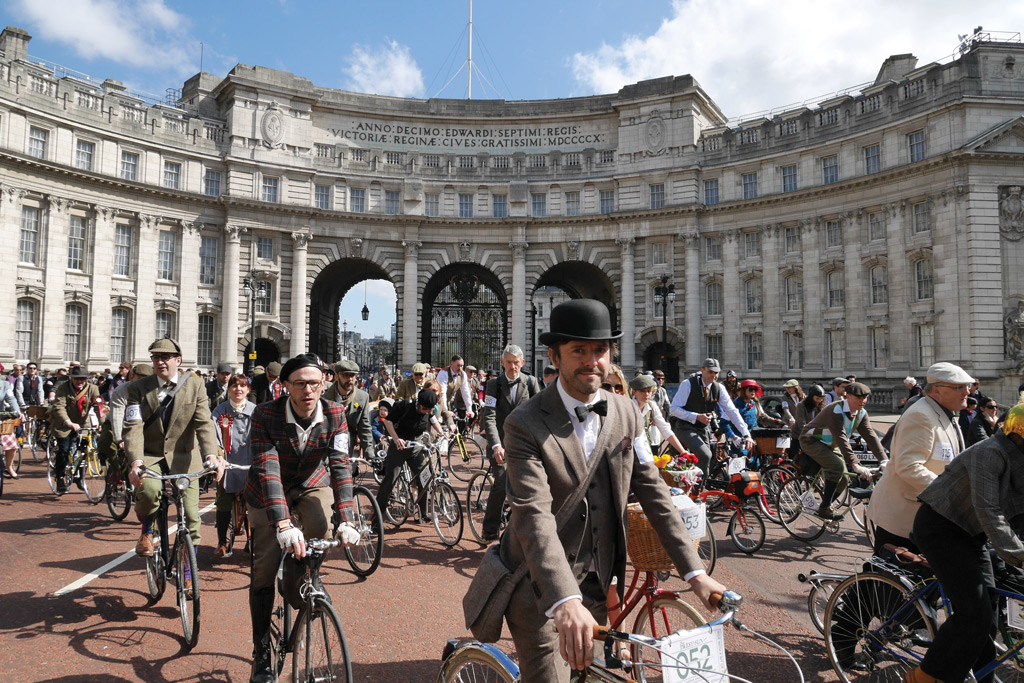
(96, 573)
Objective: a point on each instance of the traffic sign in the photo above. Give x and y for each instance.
(252, 355)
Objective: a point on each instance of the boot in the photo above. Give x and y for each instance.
(827, 496)
(223, 524)
(918, 676)
(261, 608)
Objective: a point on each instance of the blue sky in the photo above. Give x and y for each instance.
(749, 55)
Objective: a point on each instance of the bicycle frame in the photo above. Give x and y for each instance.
(647, 591)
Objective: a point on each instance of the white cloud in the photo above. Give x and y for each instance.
(139, 33)
(385, 70)
(753, 55)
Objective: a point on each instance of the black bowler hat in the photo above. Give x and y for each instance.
(579, 319)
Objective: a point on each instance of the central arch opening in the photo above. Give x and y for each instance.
(464, 314)
(337, 296)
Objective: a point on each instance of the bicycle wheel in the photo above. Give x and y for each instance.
(156, 580)
(659, 617)
(473, 664)
(188, 587)
(32, 440)
(872, 632)
(706, 548)
(772, 480)
(465, 457)
(319, 651)
(15, 464)
(119, 501)
(817, 600)
(859, 511)
(93, 484)
(365, 557)
(51, 474)
(446, 513)
(398, 505)
(476, 503)
(717, 480)
(795, 505)
(747, 529)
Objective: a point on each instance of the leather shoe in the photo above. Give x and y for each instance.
(491, 536)
(11, 474)
(223, 552)
(188, 587)
(145, 545)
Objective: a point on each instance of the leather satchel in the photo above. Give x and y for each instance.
(484, 618)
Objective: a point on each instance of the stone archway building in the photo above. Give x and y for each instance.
(871, 233)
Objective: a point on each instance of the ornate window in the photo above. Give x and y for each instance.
(713, 298)
(879, 276)
(28, 245)
(205, 338)
(924, 287)
(794, 293)
(835, 290)
(119, 331)
(74, 322)
(752, 295)
(752, 345)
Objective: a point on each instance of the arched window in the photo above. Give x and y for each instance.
(713, 298)
(74, 325)
(879, 285)
(924, 287)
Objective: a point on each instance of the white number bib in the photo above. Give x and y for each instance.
(737, 465)
(694, 516)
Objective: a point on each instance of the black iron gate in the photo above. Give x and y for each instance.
(467, 318)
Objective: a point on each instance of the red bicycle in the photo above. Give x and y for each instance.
(746, 528)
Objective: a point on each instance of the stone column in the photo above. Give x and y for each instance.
(773, 304)
(10, 233)
(901, 290)
(53, 257)
(815, 300)
(229, 293)
(188, 294)
(145, 286)
(691, 240)
(518, 326)
(628, 307)
(299, 298)
(734, 353)
(101, 265)
(410, 303)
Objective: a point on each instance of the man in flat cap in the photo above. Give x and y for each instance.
(166, 414)
(217, 388)
(70, 412)
(574, 453)
(356, 401)
(826, 439)
(925, 440)
(300, 466)
(268, 386)
(410, 386)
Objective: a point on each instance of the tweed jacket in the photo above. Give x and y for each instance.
(832, 426)
(546, 463)
(498, 404)
(214, 394)
(189, 422)
(982, 492)
(357, 415)
(65, 406)
(278, 466)
(407, 389)
(924, 443)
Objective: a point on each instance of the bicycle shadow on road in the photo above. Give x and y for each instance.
(398, 672)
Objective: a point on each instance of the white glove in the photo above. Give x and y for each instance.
(347, 534)
(288, 537)
(736, 441)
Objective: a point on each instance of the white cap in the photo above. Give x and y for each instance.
(949, 373)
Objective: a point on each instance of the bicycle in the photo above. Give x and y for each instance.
(746, 528)
(823, 585)
(84, 467)
(315, 640)
(178, 563)
(365, 556)
(477, 495)
(465, 454)
(431, 483)
(880, 622)
(119, 491)
(35, 428)
(799, 500)
(694, 652)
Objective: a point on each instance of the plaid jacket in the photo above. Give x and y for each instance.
(277, 466)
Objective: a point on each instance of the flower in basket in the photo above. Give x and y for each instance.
(678, 470)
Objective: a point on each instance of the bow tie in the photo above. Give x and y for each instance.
(167, 385)
(599, 408)
(513, 382)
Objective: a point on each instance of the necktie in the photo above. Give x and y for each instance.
(599, 408)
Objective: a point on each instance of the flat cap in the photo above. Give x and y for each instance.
(224, 367)
(791, 383)
(165, 345)
(142, 369)
(641, 382)
(346, 365)
(838, 381)
(711, 364)
(948, 373)
(858, 389)
(419, 368)
(274, 369)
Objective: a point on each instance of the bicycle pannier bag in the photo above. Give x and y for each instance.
(485, 615)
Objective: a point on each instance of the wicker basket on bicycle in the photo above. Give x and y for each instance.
(37, 412)
(8, 426)
(767, 440)
(642, 545)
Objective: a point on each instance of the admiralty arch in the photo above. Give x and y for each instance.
(871, 233)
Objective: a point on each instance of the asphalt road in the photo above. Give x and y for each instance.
(63, 619)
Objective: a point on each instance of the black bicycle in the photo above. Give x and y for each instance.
(477, 495)
(315, 640)
(119, 492)
(176, 564)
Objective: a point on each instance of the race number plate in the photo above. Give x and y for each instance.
(782, 442)
(694, 516)
(1015, 613)
(809, 501)
(737, 465)
(697, 655)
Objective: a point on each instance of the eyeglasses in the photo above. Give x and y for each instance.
(608, 386)
(302, 385)
(955, 387)
(992, 406)
(417, 374)
(163, 357)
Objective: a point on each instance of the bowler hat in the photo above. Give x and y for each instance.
(165, 345)
(346, 366)
(78, 372)
(579, 319)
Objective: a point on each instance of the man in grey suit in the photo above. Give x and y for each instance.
(502, 395)
(356, 402)
(573, 439)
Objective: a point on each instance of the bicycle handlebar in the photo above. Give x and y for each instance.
(728, 603)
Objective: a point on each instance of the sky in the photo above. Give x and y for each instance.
(750, 56)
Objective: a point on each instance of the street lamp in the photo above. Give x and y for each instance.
(255, 289)
(344, 339)
(663, 295)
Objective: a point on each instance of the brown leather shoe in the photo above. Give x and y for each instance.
(188, 587)
(145, 545)
(223, 552)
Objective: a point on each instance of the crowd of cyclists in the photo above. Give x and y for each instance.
(307, 407)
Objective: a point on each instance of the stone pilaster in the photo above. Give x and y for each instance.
(188, 293)
(627, 290)
(815, 298)
(734, 356)
(691, 242)
(101, 260)
(229, 294)
(410, 302)
(518, 327)
(299, 299)
(145, 286)
(53, 257)
(10, 232)
(772, 303)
